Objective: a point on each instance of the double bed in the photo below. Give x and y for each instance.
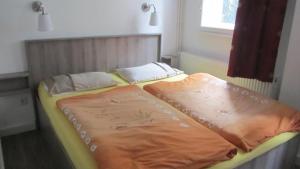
(60, 133)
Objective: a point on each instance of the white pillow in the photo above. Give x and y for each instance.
(148, 72)
(59, 84)
(92, 80)
(78, 82)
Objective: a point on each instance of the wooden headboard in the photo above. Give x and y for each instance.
(52, 57)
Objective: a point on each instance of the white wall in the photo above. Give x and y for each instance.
(217, 46)
(198, 42)
(290, 89)
(77, 18)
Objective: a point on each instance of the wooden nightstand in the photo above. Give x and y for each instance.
(16, 104)
(170, 60)
(166, 60)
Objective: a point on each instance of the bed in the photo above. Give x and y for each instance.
(243, 117)
(80, 154)
(51, 57)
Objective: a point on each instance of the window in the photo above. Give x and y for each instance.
(218, 15)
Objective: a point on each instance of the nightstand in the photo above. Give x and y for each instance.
(17, 113)
(170, 60)
(166, 59)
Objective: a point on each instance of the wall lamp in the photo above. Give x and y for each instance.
(153, 18)
(44, 19)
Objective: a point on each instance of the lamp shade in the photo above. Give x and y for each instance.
(153, 19)
(45, 23)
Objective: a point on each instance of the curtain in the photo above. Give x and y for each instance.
(256, 39)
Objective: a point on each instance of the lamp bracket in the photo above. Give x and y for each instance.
(146, 7)
(37, 6)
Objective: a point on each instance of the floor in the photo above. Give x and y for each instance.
(1, 157)
(27, 151)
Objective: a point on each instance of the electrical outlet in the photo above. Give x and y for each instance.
(24, 101)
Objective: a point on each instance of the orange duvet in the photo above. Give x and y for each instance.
(127, 128)
(243, 117)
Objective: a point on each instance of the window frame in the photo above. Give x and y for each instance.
(212, 30)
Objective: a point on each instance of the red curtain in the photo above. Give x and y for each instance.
(256, 39)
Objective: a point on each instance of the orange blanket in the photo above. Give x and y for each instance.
(127, 128)
(243, 117)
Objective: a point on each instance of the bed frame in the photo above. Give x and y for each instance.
(51, 57)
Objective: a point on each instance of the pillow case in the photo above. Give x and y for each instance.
(59, 84)
(92, 80)
(148, 72)
(78, 82)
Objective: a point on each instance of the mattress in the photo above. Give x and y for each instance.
(243, 117)
(80, 154)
